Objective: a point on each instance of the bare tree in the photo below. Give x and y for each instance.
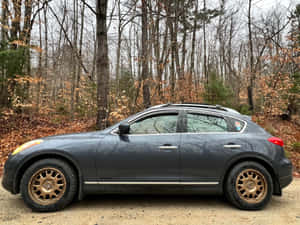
(251, 60)
(145, 59)
(4, 20)
(102, 64)
(204, 45)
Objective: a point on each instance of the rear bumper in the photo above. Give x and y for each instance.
(285, 181)
(285, 173)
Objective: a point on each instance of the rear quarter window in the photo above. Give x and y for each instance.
(236, 125)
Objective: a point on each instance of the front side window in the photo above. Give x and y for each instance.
(157, 124)
(198, 123)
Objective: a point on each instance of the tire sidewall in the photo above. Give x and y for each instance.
(71, 185)
(234, 197)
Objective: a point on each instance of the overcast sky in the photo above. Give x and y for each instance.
(259, 7)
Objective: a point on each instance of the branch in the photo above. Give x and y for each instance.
(90, 7)
(289, 56)
(70, 43)
(269, 38)
(111, 15)
(37, 11)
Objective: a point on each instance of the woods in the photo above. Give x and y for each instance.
(85, 59)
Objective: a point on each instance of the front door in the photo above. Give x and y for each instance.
(149, 153)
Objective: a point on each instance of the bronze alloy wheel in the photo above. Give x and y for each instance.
(251, 186)
(47, 186)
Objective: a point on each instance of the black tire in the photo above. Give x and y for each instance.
(233, 194)
(69, 187)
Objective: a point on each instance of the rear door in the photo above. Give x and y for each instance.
(208, 142)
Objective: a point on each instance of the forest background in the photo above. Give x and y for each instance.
(79, 65)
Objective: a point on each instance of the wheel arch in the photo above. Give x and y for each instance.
(47, 155)
(257, 159)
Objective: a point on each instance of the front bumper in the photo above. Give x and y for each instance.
(9, 179)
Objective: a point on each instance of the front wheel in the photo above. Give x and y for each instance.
(48, 185)
(249, 186)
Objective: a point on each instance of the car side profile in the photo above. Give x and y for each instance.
(170, 148)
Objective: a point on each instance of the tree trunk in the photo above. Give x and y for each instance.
(192, 68)
(102, 64)
(15, 30)
(45, 69)
(39, 71)
(251, 85)
(4, 20)
(145, 58)
(204, 46)
(26, 32)
(80, 55)
(159, 64)
(119, 48)
(4, 37)
(74, 52)
(170, 24)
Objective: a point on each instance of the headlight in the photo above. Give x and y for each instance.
(27, 145)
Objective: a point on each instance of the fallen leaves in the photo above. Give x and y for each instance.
(18, 129)
(288, 131)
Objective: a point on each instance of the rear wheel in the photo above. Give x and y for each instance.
(249, 186)
(48, 185)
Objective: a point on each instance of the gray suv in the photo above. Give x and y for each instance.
(171, 148)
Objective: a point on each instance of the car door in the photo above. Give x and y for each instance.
(150, 152)
(208, 143)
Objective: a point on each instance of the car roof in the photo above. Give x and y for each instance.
(205, 107)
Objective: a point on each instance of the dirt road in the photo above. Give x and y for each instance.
(147, 210)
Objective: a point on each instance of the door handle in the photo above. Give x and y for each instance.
(168, 147)
(232, 146)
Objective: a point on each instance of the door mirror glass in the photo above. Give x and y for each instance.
(124, 128)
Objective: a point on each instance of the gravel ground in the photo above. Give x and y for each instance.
(146, 210)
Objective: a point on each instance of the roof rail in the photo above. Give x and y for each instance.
(199, 105)
(207, 106)
(159, 106)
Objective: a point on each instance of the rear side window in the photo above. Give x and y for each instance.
(198, 123)
(236, 125)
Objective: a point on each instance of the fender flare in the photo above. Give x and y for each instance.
(52, 153)
(252, 157)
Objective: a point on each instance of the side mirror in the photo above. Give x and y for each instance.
(124, 128)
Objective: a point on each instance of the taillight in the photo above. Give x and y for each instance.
(276, 141)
